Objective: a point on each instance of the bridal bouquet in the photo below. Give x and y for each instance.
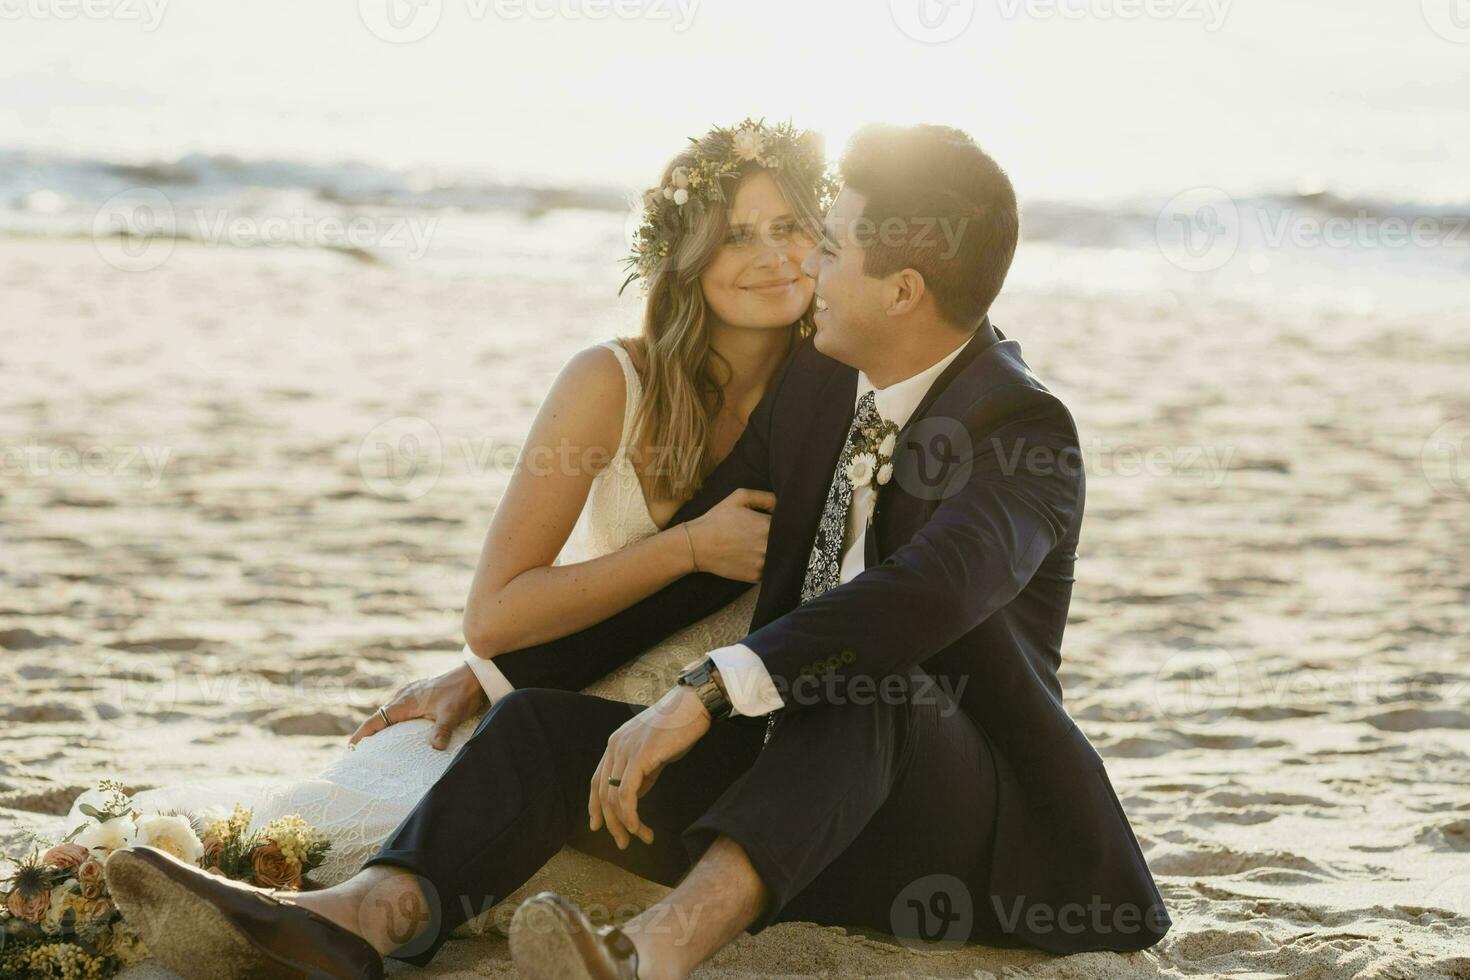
(56, 918)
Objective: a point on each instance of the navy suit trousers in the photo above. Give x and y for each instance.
(865, 814)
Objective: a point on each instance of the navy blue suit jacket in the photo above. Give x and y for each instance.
(970, 569)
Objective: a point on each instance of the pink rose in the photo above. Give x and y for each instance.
(65, 856)
(213, 846)
(31, 909)
(99, 909)
(273, 869)
(89, 876)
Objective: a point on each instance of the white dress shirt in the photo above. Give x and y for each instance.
(747, 682)
(494, 682)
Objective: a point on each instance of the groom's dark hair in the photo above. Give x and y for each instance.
(957, 205)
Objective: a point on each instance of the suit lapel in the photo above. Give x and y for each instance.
(984, 337)
(933, 402)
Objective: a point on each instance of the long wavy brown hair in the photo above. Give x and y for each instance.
(683, 376)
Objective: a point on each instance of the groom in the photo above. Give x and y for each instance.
(887, 748)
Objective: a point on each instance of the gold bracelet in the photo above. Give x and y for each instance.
(690, 538)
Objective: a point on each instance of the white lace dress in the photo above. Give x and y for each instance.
(361, 798)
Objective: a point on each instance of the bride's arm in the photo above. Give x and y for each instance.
(572, 662)
(518, 597)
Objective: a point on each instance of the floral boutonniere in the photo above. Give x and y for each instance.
(869, 457)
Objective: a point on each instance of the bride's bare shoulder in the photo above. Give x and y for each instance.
(595, 365)
(587, 395)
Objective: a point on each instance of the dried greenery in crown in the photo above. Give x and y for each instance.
(671, 211)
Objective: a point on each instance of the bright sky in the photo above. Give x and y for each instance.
(1076, 97)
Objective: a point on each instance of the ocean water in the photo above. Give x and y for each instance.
(1296, 151)
(1307, 249)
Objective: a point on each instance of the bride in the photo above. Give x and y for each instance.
(581, 535)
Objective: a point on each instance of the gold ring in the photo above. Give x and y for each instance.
(615, 780)
(384, 715)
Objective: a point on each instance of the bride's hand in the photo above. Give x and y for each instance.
(730, 539)
(446, 700)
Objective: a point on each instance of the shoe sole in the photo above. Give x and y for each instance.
(541, 944)
(185, 933)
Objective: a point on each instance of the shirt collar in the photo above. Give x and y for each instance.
(898, 401)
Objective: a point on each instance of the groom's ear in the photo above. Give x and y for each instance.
(905, 292)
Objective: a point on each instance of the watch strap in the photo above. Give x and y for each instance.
(701, 677)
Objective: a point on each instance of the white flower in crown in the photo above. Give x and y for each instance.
(885, 473)
(885, 448)
(711, 169)
(860, 469)
(749, 144)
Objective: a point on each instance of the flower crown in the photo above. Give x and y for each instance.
(672, 210)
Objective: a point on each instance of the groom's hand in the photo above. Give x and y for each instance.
(446, 700)
(636, 754)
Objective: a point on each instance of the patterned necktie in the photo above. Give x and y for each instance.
(824, 566)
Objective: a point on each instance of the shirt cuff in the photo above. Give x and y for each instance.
(491, 679)
(747, 683)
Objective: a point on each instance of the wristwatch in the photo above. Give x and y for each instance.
(701, 677)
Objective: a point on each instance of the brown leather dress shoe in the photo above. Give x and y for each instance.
(550, 939)
(204, 926)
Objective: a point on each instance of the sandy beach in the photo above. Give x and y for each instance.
(241, 495)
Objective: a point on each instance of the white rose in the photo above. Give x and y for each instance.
(668, 193)
(173, 834)
(681, 197)
(885, 473)
(680, 177)
(115, 833)
(860, 469)
(885, 448)
(749, 144)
